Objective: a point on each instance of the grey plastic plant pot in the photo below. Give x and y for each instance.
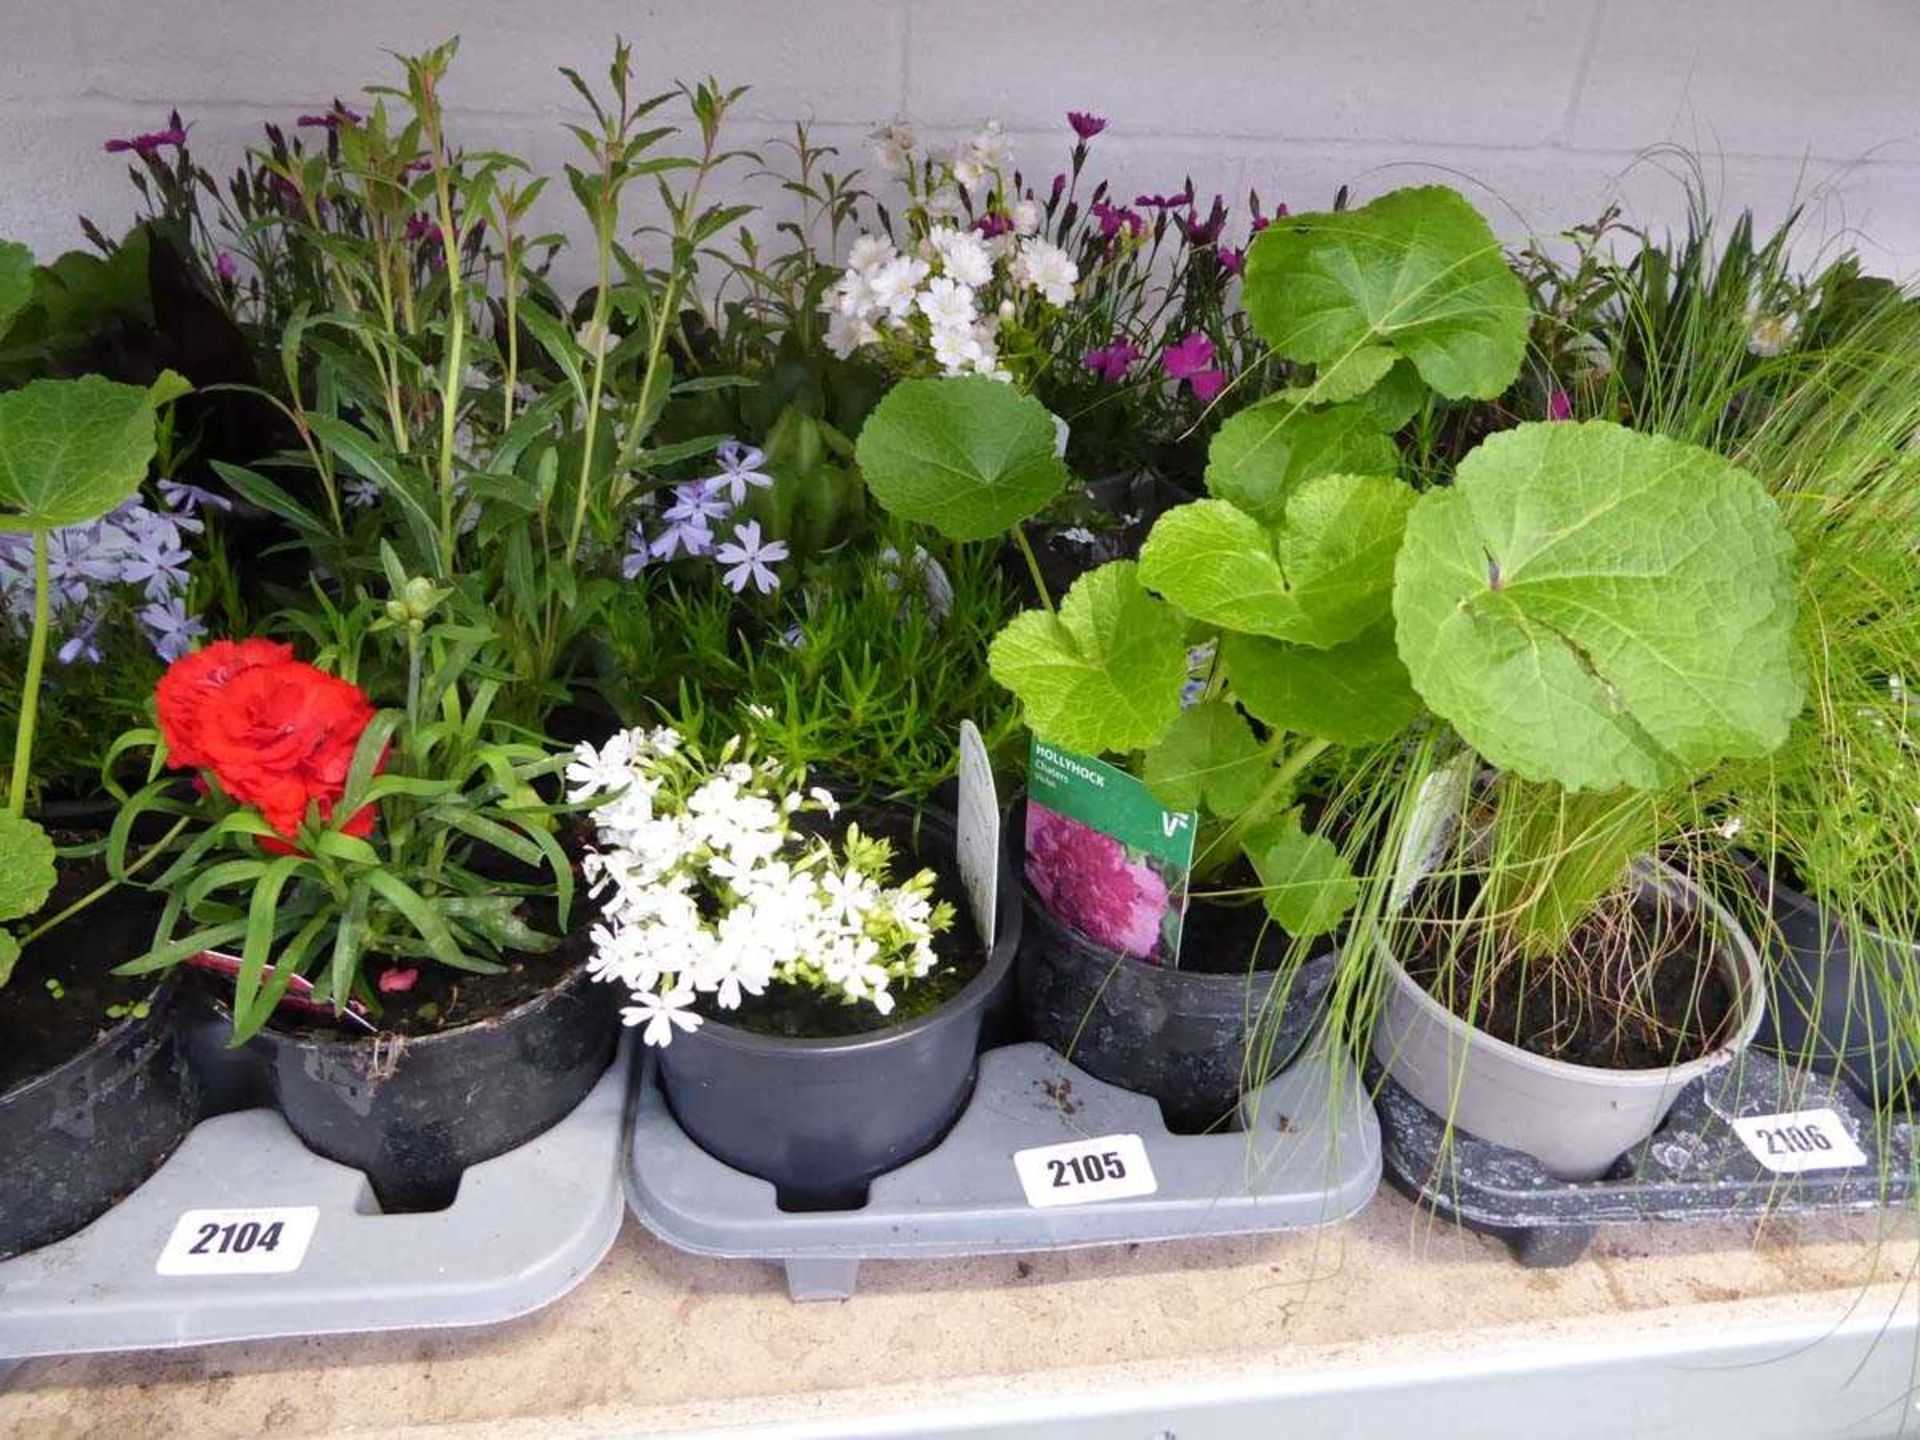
(414, 1113)
(819, 1119)
(1576, 1120)
(1829, 1009)
(1192, 1041)
(83, 1136)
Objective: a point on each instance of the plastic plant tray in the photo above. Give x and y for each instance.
(1310, 1157)
(1694, 1167)
(525, 1228)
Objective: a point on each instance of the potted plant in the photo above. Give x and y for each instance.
(390, 890)
(1606, 617)
(814, 1009)
(94, 1091)
(1245, 668)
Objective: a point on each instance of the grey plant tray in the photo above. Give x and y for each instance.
(525, 1228)
(1310, 1156)
(1694, 1167)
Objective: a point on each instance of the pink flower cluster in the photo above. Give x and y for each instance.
(1085, 881)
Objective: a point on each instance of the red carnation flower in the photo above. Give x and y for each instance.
(277, 733)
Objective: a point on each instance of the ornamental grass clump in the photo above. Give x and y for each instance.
(712, 891)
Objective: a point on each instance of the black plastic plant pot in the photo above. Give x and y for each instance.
(80, 1138)
(414, 1112)
(1828, 1006)
(820, 1118)
(1191, 1040)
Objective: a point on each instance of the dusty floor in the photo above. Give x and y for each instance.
(656, 1340)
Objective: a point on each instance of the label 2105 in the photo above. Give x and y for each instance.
(1103, 1167)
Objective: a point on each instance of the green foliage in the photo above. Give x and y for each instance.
(26, 879)
(71, 450)
(1601, 609)
(16, 281)
(1307, 885)
(1105, 673)
(1263, 454)
(1416, 273)
(1208, 758)
(463, 848)
(1353, 693)
(970, 456)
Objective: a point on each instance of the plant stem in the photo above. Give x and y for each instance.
(1278, 784)
(1033, 567)
(30, 690)
(94, 894)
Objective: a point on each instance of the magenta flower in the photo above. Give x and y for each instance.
(396, 981)
(1084, 125)
(1059, 188)
(225, 266)
(1177, 201)
(333, 119)
(1205, 232)
(993, 224)
(1191, 360)
(1086, 881)
(1233, 261)
(1559, 404)
(147, 144)
(1112, 361)
(1113, 219)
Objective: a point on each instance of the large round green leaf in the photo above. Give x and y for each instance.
(1320, 577)
(1105, 673)
(71, 450)
(1352, 694)
(1263, 453)
(1600, 608)
(971, 457)
(1417, 272)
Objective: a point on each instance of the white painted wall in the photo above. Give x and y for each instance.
(1543, 109)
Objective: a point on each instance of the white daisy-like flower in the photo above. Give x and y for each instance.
(896, 282)
(1043, 266)
(947, 304)
(662, 1014)
(893, 146)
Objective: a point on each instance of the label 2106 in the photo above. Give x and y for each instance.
(1799, 1141)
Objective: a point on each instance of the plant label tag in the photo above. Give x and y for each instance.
(979, 845)
(1799, 1141)
(1104, 857)
(1107, 1167)
(262, 1241)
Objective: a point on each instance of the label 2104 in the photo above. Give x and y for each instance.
(261, 1241)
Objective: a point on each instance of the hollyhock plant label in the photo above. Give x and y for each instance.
(1105, 857)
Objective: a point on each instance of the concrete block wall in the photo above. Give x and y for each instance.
(1543, 110)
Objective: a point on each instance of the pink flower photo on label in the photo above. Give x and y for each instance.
(1087, 880)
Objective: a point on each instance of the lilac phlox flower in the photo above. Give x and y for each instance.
(80, 557)
(155, 555)
(750, 560)
(692, 536)
(1084, 125)
(361, 493)
(185, 502)
(739, 467)
(82, 645)
(171, 629)
(149, 143)
(699, 501)
(635, 560)
(1112, 360)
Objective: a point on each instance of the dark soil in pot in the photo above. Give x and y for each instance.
(1637, 987)
(95, 1088)
(1828, 1006)
(1193, 1038)
(820, 1098)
